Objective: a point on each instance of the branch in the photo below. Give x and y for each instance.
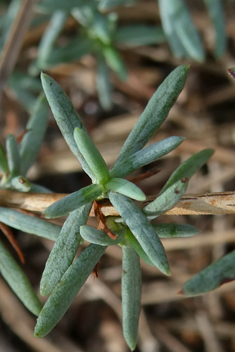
(189, 204)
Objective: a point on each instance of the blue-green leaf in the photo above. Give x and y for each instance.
(64, 250)
(18, 282)
(35, 130)
(66, 116)
(29, 224)
(66, 290)
(155, 113)
(95, 236)
(131, 295)
(137, 247)
(216, 12)
(125, 187)
(13, 156)
(73, 201)
(92, 156)
(215, 275)
(175, 230)
(141, 229)
(145, 156)
(20, 184)
(115, 61)
(189, 167)
(136, 35)
(166, 200)
(3, 162)
(177, 14)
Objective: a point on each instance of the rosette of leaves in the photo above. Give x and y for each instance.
(15, 161)
(132, 230)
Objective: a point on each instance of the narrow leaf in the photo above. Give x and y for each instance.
(137, 247)
(216, 12)
(115, 61)
(18, 282)
(175, 230)
(13, 156)
(125, 187)
(103, 84)
(92, 156)
(64, 250)
(131, 295)
(215, 275)
(3, 162)
(136, 35)
(29, 224)
(66, 290)
(35, 130)
(155, 112)
(166, 200)
(66, 116)
(189, 167)
(141, 229)
(73, 201)
(145, 156)
(95, 236)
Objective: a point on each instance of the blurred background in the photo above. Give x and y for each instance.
(110, 56)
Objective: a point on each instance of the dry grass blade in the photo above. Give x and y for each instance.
(12, 46)
(191, 204)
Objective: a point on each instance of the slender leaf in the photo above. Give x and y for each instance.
(73, 201)
(215, 9)
(215, 275)
(13, 156)
(166, 200)
(29, 224)
(136, 35)
(155, 112)
(115, 61)
(66, 290)
(145, 156)
(32, 139)
(125, 187)
(35, 188)
(137, 247)
(18, 282)
(189, 167)
(64, 249)
(3, 162)
(141, 229)
(66, 116)
(48, 40)
(175, 230)
(103, 84)
(95, 236)
(178, 15)
(169, 29)
(92, 156)
(131, 295)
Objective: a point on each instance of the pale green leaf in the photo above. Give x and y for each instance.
(103, 84)
(137, 247)
(126, 188)
(131, 295)
(145, 156)
(141, 229)
(29, 224)
(18, 282)
(166, 200)
(73, 201)
(215, 275)
(64, 249)
(95, 236)
(35, 130)
(13, 156)
(189, 167)
(175, 230)
(66, 116)
(92, 156)
(155, 113)
(115, 61)
(66, 290)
